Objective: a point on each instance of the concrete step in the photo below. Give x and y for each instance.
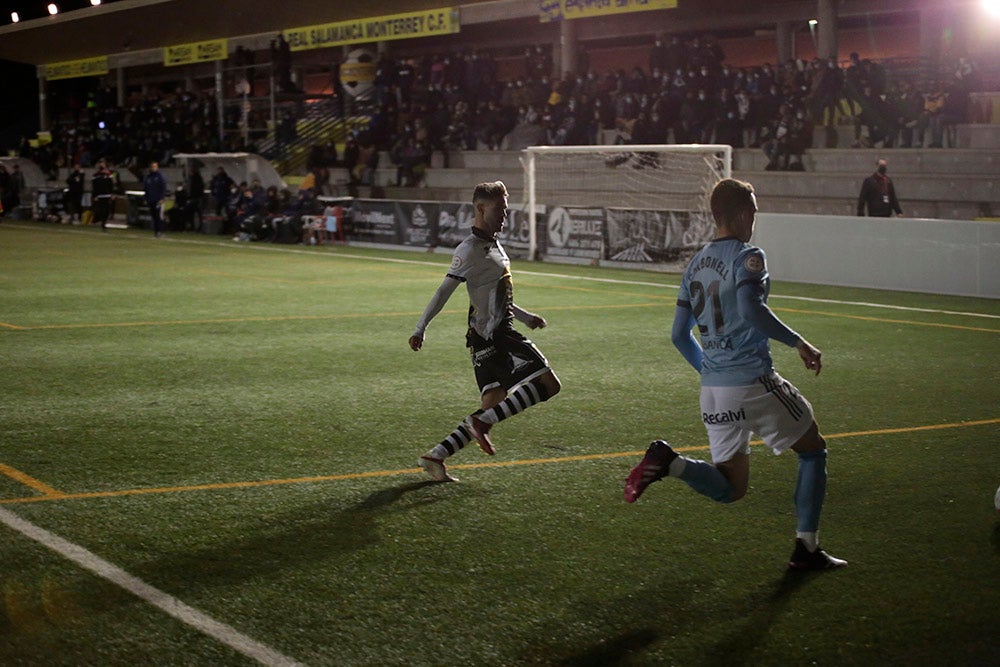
(909, 186)
(848, 206)
(861, 161)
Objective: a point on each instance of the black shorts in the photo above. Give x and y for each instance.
(506, 361)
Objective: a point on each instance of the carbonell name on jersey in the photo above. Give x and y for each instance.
(713, 263)
(727, 417)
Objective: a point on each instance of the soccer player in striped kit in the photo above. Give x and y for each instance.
(724, 292)
(512, 373)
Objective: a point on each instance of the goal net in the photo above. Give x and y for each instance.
(635, 203)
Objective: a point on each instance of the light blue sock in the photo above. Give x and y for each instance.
(706, 479)
(810, 490)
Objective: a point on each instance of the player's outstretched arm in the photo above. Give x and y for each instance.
(811, 356)
(532, 320)
(441, 296)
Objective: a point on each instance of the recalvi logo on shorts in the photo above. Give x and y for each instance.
(727, 417)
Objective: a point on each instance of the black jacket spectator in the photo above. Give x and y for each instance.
(878, 195)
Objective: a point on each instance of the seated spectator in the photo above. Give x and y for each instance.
(776, 147)
(412, 160)
(800, 138)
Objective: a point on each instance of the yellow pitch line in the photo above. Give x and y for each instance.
(888, 321)
(287, 318)
(30, 481)
(290, 318)
(219, 320)
(463, 466)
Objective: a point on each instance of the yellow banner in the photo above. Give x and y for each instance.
(556, 10)
(427, 23)
(72, 69)
(196, 52)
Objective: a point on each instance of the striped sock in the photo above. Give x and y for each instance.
(455, 441)
(522, 398)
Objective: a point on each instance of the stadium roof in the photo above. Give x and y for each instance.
(132, 26)
(136, 25)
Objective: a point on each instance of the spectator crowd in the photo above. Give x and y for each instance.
(448, 102)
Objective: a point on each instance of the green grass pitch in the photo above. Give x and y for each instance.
(237, 425)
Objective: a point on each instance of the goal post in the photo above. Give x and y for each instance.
(644, 198)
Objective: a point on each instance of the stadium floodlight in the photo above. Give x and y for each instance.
(94, 3)
(14, 17)
(991, 7)
(813, 23)
(53, 9)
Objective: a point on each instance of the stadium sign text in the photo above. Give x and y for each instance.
(557, 10)
(72, 69)
(196, 52)
(427, 23)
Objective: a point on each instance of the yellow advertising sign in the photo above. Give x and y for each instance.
(196, 52)
(556, 10)
(427, 23)
(72, 69)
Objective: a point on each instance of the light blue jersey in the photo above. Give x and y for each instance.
(724, 291)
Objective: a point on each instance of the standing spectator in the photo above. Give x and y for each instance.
(728, 125)
(17, 186)
(878, 194)
(828, 84)
(907, 106)
(954, 112)
(877, 116)
(219, 187)
(704, 118)
(4, 190)
(102, 187)
(659, 56)
(74, 194)
(196, 192)
(154, 187)
(933, 105)
(117, 189)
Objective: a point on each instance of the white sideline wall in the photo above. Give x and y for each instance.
(958, 257)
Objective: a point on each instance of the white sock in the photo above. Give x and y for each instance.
(676, 466)
(438, 452)
(811, 540)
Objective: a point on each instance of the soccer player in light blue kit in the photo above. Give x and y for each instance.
(724, 292)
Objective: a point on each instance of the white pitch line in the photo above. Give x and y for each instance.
(188, 615)
(612, 281)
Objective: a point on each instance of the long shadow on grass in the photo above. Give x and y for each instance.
(629, 625)
(316, 533)
(759, 612)
(637, 622)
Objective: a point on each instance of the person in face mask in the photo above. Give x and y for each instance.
(878, 194)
